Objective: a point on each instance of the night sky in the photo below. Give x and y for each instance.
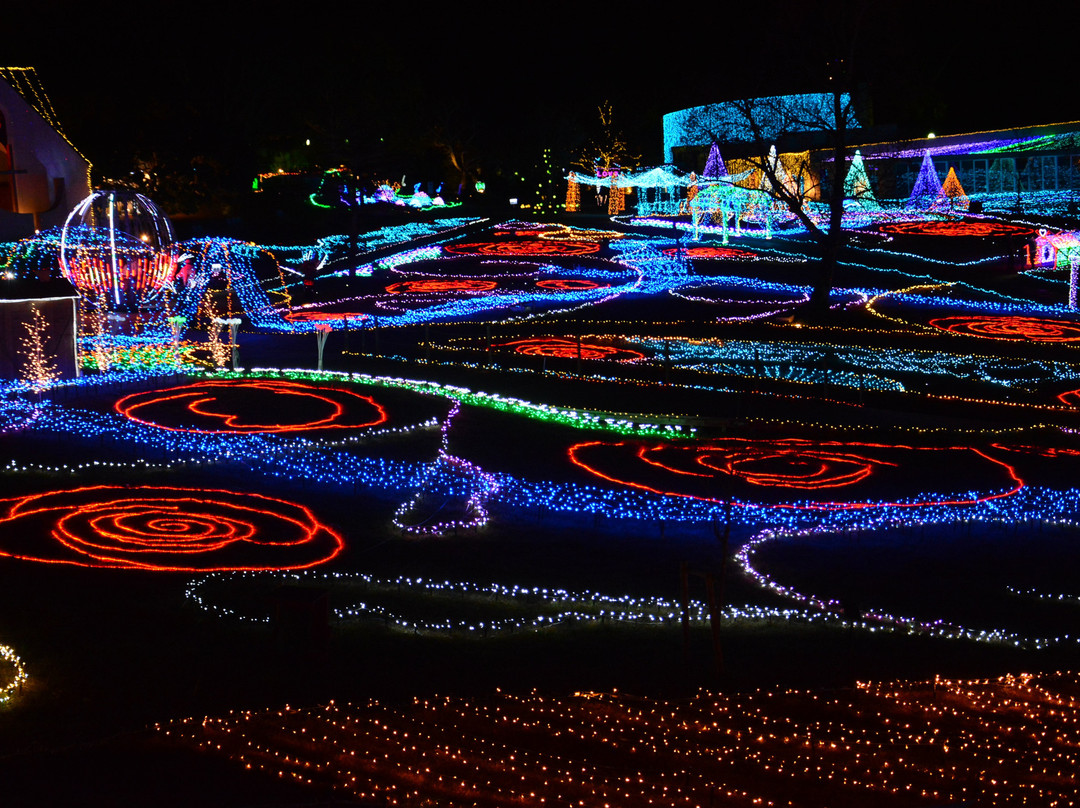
(242, 80)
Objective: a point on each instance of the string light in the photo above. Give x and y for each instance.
(18, 674)
(39, 372)
(1007, 742)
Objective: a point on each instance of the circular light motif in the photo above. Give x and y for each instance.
(525, 247)
(440, 286)
(227, 407)
(559, 348)
(1036, 329)
(570, 284)
(738, 469)
(963, 229)
(709, 252)
(165, 529)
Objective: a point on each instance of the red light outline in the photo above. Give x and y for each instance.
(524, 247)
(958, 229)
(320, 316)
(709, 252)
(571, 284)
(440, 286)
(98, 515)
(1008, 327)
(561, 348)
(573, 452)
(127, 405)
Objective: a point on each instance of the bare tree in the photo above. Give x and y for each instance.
(795, 182)
(607, 147)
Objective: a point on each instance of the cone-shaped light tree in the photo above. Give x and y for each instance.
(714, 166)
(952, 194)
(857, 184)
(927, 185)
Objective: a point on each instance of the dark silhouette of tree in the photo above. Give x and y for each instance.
(793, 183)
(607, 147)
(829, 116)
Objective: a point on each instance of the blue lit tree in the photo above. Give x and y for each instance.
(927, 185)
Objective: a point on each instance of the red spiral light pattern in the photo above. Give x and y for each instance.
(559, 348)
(430, 286)
(963, 229)
(220, 407)
(709, 252)
(1011, 327)
(696, 469)
(524, 247)
(570, 284)
(166, 529)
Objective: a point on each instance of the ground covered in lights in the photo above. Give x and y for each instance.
(537, 455)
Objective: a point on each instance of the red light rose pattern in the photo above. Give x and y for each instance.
(710, 252)
(226, 407)
(962, 229)
(768, 472)
(522, 247)
(165, 529)
(570, 284)
(559, 348)
(1010, 327)
(429, 286)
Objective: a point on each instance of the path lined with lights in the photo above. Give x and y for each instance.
(1010, 741)
(873, 616)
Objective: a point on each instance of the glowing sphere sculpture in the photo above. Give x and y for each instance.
(115, 249)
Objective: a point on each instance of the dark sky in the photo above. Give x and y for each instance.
(222, 77)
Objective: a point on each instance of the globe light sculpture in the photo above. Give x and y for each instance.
(114, 248)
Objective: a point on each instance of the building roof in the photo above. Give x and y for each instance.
(1052, 137)
(25, 81)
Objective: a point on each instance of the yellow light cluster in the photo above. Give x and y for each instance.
(18, 678)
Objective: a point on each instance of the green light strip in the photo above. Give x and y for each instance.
(575, 418)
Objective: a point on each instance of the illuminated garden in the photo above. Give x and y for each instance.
(618, 456)
(748, 477)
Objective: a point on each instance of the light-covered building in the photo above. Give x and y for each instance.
(42, 175)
